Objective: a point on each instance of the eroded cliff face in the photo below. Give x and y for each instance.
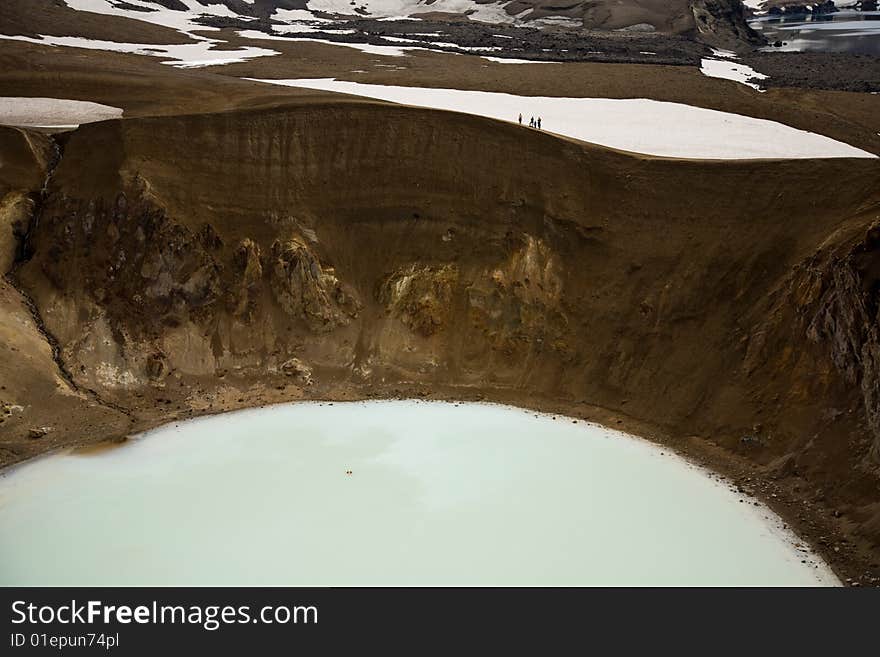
(384, 243)
(133, 296)
(307, 290)
(41, 406)
(813, 341)
(836, 297)
(421, 297)
(25, 161)
(202, 263)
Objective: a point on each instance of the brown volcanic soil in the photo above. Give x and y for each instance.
(34, 392)
(274, 244)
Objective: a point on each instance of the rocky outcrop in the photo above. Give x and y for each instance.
(294, 367)
(820, 333)
(722, 23)
(513, 307)
(15, 215)
(27, 162)
(826, 7)
(154, 296)
(517, 304)
(838, 298)
(421, 296)
(154, 272)
(245, 296)
(177, 275)
(307, 290)
(174, 5)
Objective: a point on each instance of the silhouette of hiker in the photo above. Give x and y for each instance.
(532, 122)
(539, 123)
(520, 119)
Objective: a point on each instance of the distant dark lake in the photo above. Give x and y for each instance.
(845, 31)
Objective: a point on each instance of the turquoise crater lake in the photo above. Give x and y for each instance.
(387, 493)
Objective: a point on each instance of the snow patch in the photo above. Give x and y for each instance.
(511, 60)
(727, 70)
(723, 54)
(26, 112)
(626, 124)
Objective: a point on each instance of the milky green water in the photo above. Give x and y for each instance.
(444, 494)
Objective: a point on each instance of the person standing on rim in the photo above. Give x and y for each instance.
(532, 122)
(539, 123)
(520, 118)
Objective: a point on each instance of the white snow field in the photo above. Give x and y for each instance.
(728, 70)
(52, 112)
(638, 125)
